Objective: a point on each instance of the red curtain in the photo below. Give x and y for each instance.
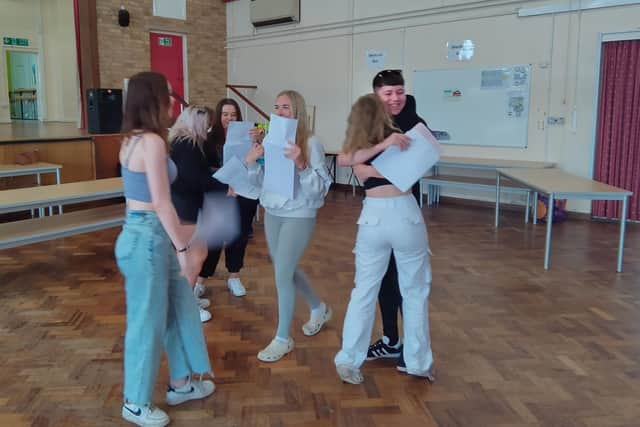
(618, 136)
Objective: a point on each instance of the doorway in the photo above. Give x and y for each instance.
(168, 57)
(22, 84)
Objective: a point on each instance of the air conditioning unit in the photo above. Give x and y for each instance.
(272, 12)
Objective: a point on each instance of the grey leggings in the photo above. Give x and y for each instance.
(287, 239)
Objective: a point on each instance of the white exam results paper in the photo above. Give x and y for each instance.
(279, 172)
(238, 141)
(405, 168)
(235, 174)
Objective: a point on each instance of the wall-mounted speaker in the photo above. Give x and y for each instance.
(123, 17)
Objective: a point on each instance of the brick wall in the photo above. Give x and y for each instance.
(125, 51)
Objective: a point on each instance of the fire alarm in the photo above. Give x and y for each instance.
(123, 17)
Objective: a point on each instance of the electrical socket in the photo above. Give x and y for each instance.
(555, 120)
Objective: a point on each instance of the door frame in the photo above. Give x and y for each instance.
(603, 38)
(185, 59)
(42, 105)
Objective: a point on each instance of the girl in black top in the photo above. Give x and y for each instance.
(187, 137)
(388, 85)
(227, 111)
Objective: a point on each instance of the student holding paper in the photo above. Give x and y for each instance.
(289, 222)
(390, 221)
(187, 137)
(228, 111)
(389, 86)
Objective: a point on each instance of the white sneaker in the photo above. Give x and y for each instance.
(203, 302)
(235, 286)
(276, 350)
(147, 415)
(198, 290)
(205, 316)
(194, 389)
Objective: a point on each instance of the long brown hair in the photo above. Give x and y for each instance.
(217, 134)
(147, 105)
(299, 111)
(367, 125)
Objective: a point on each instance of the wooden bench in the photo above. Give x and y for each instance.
(35, 230)
(28, 231)
(472, 182)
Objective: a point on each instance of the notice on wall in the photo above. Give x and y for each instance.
(460, 50)
(516, 104)
(376, 59)
(494, 79)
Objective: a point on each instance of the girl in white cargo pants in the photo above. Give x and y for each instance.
(390, 220)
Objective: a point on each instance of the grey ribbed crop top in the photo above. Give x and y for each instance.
(135, 183)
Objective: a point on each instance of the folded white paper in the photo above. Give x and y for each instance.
(238, 141)
(279, 172)
(405, 168)
(235, 174)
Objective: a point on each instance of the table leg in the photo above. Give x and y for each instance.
(526, 211)
(38, 181)
(535, 207)
(547, 244)
(420, 184)
(497, 219)
(623, 224)
(58, 183)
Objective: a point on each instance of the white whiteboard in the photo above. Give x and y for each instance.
(476, 106)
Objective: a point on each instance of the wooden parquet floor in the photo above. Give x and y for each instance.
(515, 345)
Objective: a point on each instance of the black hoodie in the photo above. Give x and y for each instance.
(408, 118)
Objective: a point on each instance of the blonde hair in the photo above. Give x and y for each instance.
(192, 123)
(299, 112)
(367, 125)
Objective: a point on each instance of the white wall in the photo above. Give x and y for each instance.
(324, 58)
(49, 27)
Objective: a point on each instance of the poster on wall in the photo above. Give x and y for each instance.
(460, 50)
(376, 59)
(516, 104)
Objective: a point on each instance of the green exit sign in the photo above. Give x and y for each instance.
(165, 41)
(15, 41)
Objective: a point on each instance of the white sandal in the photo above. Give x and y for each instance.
(276, 350)
(315, 324)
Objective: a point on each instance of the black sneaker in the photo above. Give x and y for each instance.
(382, 350)
(402, 367)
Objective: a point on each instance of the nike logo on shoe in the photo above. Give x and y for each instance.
(136, 413)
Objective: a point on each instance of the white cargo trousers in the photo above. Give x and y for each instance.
(387, 224)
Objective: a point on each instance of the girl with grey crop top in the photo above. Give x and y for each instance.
(154, 256)
(390, 220)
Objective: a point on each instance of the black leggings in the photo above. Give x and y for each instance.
(234, 251)
(389, 297)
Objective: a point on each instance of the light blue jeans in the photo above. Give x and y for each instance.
(386, 224)
(161, 309)
(287, 239)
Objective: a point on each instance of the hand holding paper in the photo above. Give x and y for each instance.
(238, 141)
(235, 175)
(279, 171)
(405, 167)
